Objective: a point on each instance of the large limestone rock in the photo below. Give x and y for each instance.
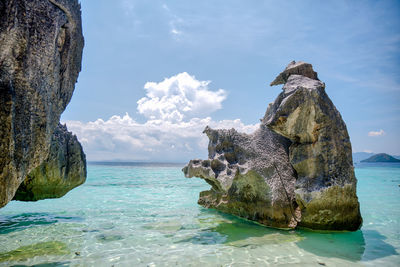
(63, 170)
(295, 171)
(320, 153)
(41, 46)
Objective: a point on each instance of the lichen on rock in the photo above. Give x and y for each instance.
(295, 171)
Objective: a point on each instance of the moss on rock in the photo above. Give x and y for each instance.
(335, 208)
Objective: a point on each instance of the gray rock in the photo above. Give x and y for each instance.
(63, 170)
(300, 68)
(250, 175)
(41, 46)
(320, 192)
(320, 153)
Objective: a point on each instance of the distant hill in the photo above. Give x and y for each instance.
(382, 157)
(359, 156)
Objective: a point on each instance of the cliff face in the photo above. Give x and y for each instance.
(63, 170)
(41, 46)
(314, 165)
(320, 153)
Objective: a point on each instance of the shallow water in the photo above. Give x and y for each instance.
(147, 215)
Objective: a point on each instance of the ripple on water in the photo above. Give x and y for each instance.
(148, 216)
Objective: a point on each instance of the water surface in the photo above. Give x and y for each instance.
(147, 215)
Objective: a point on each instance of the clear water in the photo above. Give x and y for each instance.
(148, 216)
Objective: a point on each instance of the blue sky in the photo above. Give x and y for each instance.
(221, 56)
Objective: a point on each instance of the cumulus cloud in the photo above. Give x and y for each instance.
(377, 133)
(122, 138)
(176, 109)
(179, 98)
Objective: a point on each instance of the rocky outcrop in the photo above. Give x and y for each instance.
(41, 46)
(300, 68)
(320, 153)
(303, 137)
(63, 170)
(250, 176)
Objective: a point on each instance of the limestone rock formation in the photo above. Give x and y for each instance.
(317, 159)
(63, 170)
(41, 46)
(300, 67)
(320, 153)
(250, 176)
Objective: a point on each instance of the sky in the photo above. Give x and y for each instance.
(155, 73)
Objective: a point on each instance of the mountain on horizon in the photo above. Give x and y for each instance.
(359, 156)
(381, 157)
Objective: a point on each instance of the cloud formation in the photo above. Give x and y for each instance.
(122, 138)
(378, 133)
(179, 98)
(176, 109)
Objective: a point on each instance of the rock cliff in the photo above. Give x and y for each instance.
(41, 46)
(297, 167)
(63, 170)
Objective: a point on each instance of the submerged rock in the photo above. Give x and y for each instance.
(63, 170)
(41, 46)
(24, 253)
(295, 171)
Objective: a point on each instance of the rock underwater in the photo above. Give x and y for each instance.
(41, 47)
(296, 170)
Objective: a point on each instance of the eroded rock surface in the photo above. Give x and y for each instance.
(250, 176)
(41, 46)
(295, 171)
(320, 154)
(300, 68)
(63, 170)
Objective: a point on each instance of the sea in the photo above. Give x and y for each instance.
(146, 214)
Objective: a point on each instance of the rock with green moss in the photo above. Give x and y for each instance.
(320, 153)
(296, 170)
(250, 176)
(63, 170)
(41, 45)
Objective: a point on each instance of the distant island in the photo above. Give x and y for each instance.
(382, 157)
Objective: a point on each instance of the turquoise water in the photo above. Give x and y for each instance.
(148, 216)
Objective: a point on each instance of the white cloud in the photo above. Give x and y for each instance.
(378, 133)
(122, 138)
(174, 22)
(179, 98)
(367, 151)
(177, 110)
(175, 31)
